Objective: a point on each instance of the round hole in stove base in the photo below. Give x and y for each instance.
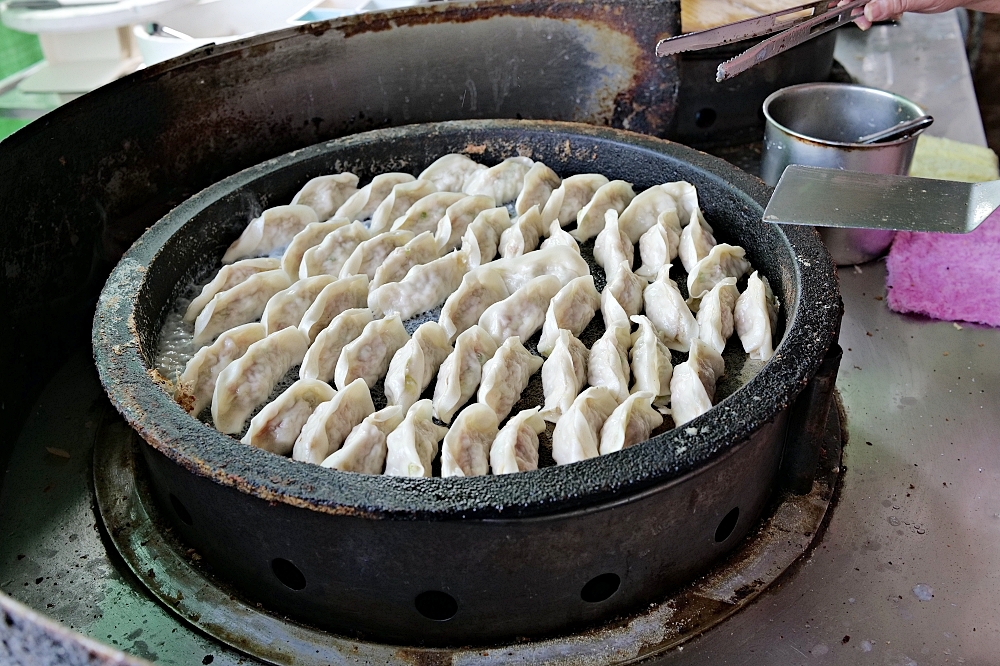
(727, 525)
(437, 606)
(288, 574)
(600, 588)
(705, 118)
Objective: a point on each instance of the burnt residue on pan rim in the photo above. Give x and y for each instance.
(206, 452)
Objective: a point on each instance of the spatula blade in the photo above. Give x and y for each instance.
(835, 198)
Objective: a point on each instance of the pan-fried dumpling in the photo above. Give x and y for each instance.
(715, 316)
(590, 220)
(466, 448)
(451, 172)
(363, 203)
(578, 433)
(305, 240)
(336, 297)
(756, 316)
(413, 367)
(369, 354)
(364, 449)
(515, 448)
(370, 254)
(425, 213)
(326, 194)
(460, 373)
(626, 287)
(564, 374)
(630, 423)
(651, 363)
(420, 250)
(276, 427)
(413, 445)
(286, 308)
(695, 244)
(557, 236)
(503, 182)
(608, 363)
(723, 261)
(425, 287)
(197, 383)
(523, 312)
(658, 246)
(248, 381)
(332, 422)
(398, 202)
(559, 261)
(572, 194)
(506, 375)
(457, 219)
(240, 305)
(613, 246)
(539, 183)
(645, 210)
(274, 229)
(522, 235)
(692, 388)
(571, 309)
(482, 238)
(227, 278)
(612, 311)
(686, 197)
(480, 288)
(332, 253)
(320, 361)
(668, 312)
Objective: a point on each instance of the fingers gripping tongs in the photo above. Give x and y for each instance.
(793, 26)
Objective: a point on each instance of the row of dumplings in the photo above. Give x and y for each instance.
(335, 300)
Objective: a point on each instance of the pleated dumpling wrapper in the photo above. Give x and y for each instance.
(273, 230)
(756, 318)
(632, 422)
(506, 375)
(325, 194)
(451, 172)
(364, 450)
(413, 445)
(332, 422)
(515, 448)
(692, 387)
(276, 427)
(460, 374)
(466, 448)
(247, 382)
(578, 433)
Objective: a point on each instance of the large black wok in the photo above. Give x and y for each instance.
(80, 185)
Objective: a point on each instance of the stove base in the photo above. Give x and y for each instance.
(175, 575)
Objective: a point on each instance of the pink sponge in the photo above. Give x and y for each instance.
(948, 276)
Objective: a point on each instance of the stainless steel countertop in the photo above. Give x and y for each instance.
(908, 571)
(923, 59)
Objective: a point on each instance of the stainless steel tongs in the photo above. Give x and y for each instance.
(794, 26)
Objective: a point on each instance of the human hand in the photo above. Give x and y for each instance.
(883, 10)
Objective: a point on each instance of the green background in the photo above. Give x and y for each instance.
(17, 51)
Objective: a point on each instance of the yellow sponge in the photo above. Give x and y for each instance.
(945, 159)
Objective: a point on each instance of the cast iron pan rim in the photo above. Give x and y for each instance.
(206, 452)
(349, 26)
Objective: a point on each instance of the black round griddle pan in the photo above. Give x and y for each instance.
(468, 560)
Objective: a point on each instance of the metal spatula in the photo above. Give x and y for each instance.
(849, 199)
